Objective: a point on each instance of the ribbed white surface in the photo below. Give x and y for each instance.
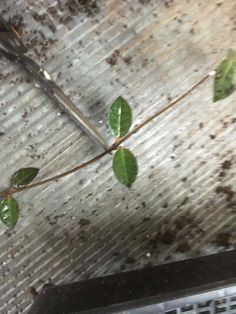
(171, 49)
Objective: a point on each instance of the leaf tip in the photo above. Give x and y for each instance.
(120, 97)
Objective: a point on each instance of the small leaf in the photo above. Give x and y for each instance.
(225, 78)
(120, 117)
(125, 167)
(9, 212)
(24, 176)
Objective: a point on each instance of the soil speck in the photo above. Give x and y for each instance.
(90, 7)
(165, 205)
(183, 247)
(166, 237)
(84, 222)
(227, 190)
(128, 60)
(112, 60)
(226, 164)
(144, 1)
(223, 239)
(130, 260)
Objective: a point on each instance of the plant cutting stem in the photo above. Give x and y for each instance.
(13, 190)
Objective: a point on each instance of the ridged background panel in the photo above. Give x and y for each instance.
(172, 211)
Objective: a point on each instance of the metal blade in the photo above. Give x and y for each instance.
(64, 101)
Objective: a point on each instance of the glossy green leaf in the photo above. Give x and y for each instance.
(225, 78)
(9, 212)
(24, 176)
(120, 117)
(125, 166)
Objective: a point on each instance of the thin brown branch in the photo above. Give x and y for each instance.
(170, 105)
(112, 148)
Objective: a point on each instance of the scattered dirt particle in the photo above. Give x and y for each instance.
(233, 120)
(144, 1)
(168, 3)
(168, 258)
(52, 10)
(90, 7)
(153, 242)
(190, 145)
(185, 201)
(146, 219)
(166, 237)
(4, 76)
(180, 223)
(39, 18)
(177, 166)
(24, 115)
(84, 222)
(128, 60)
(145, 62)
(225, 124)
(184, 179)
(9, 233)
(66, 19)
(201, 125)
(88, 195)
(227, 190)
(183, 247)
(165, 205)
(28, 79)
(226, 164)
(17, 23)
(212, 136)
(112, 60)
(169, 98)
(130, 260)
(2, 133)
(223, 239)
(222, 174)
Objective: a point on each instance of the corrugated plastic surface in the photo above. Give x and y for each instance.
(87, 224)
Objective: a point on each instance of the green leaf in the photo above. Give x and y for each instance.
(125, 167)
(24, 176)
(225, 78)
(9, 212)
(120, 117)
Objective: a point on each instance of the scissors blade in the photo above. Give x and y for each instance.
(65, 102)
(55, 93)
(43, 78)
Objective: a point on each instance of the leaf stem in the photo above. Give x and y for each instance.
(113, 147)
